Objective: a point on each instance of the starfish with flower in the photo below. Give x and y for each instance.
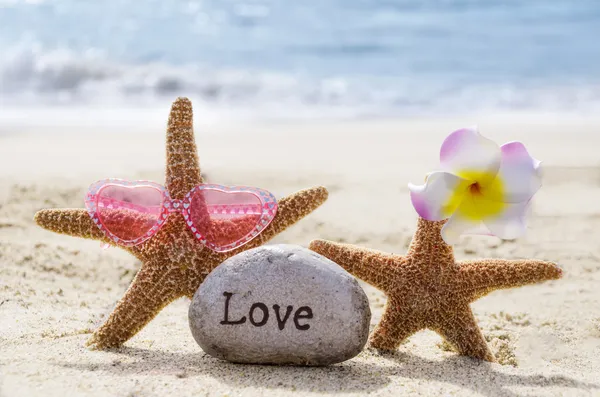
(482, 188)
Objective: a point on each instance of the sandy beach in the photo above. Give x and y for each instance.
(55, 290)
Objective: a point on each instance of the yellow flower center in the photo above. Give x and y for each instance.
(478, 197)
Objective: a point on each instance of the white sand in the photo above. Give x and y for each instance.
(55, 289)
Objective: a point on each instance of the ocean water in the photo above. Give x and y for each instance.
(308, 58)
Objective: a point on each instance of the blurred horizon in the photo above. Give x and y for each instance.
(270, 58)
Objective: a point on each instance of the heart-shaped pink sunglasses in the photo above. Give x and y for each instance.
(220, 217)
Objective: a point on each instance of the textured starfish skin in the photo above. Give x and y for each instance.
(174, 262)
(428, 288)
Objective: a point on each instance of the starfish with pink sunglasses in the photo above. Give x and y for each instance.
(179, 232)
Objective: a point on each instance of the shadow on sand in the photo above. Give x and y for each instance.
(351, 376)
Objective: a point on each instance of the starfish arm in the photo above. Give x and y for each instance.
(459, 328)
(183, 166)
(428, 247)
(375, 267)
(290, 210)
(73, 222)
(148, 294)
(483, 276)
(398, 323)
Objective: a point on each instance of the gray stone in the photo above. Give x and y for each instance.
(317, 313)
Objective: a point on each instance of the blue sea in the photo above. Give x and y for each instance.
(304, 58)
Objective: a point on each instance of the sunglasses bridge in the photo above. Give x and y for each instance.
(174, 205)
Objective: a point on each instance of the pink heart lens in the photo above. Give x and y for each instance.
(129, 212)
(224, 218)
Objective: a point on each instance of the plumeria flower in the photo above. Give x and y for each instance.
(483, 188)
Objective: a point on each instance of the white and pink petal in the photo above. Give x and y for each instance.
(459, 224)
(519, 176)
(510, 223)
(439, 197)
(470, 155)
